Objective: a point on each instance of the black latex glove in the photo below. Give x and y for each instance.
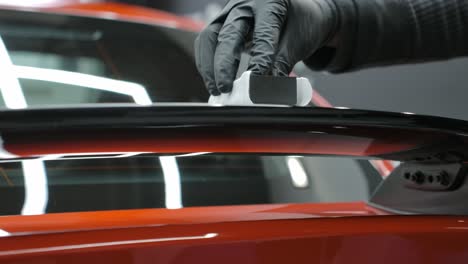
(283, 32)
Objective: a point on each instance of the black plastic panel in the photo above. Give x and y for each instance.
(433, 177)
(408, 189)
(273, 90)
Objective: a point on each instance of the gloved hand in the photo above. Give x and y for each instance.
(283, 32)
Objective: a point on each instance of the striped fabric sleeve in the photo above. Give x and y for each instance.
(386, 32)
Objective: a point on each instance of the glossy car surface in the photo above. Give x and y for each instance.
(324, 232)
(387, 239)
(94, 221)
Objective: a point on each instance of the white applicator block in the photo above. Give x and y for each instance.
(254, 89)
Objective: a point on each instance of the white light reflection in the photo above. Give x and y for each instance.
(29, 3)
(35, 178)
(136, 91)
(86, 155)
(211, 235)
(193, 154)
(456, 227)
(4, 233)
(9, 84)
(316, 132)
(171, 182)
(298, 174)
(35, 184)
(103, 244)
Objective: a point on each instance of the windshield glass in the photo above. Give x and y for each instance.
(49, 59)
(118, 181)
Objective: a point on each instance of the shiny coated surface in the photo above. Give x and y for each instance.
(383, 239)
(200, 140)
(177, 113)
(229, 130)
(65, 222)
(240, 234)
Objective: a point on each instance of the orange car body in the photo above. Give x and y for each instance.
(288, 233)
(307, 233)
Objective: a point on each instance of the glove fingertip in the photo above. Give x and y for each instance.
(281, 68)
(258, 69)
(214, 92)
(225, 87)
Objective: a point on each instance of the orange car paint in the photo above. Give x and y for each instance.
(82, 221)
(306, 233)
(215, 140)
(383, 239)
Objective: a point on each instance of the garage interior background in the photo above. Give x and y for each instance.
(438, 88)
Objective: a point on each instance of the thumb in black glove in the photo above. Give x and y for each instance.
(283, 32)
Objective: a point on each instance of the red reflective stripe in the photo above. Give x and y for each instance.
(125, 12)
(201, 140)
(319, 100)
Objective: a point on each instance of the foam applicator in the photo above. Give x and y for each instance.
(252, 89)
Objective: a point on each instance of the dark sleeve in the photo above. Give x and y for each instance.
(383, 32)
